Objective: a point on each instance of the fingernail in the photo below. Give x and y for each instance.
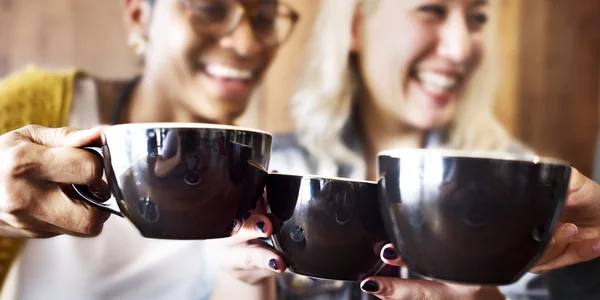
(260, 225)
(273, 264)
(596, 247)
(570, 231)
(234, 224)
(390, 254)
(370, 286)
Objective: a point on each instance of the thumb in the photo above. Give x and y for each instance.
(61, 137)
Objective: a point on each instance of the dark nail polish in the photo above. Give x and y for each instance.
(260, 225)
(390, 254)
(273, 264)
(234, 224)
(370, 286)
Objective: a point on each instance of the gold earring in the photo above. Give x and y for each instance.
(138, 43)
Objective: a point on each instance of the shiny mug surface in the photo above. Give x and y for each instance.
(479, 218)
(181, 180)
(330, 228)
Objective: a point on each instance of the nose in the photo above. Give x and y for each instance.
(455, 40)
(242, 40)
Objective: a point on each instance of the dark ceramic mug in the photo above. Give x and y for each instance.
(330, 227)
(470, 217)
(181, 180)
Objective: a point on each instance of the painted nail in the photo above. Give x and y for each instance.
(260, 225)
(370, 286)
(234, 224)
(273, 264)
(596, 247)
(570, 231)
(390, 254)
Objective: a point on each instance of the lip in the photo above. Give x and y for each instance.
(440, 98)
(253, 68)
(233, 87)
(447, 72)
(229, 87)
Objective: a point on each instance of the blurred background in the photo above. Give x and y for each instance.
(550, 51)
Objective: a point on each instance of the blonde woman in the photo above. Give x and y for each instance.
(384, 74)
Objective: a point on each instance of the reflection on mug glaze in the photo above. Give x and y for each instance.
(297, 234)
(342, 212)
(192, 178)
(148, 209)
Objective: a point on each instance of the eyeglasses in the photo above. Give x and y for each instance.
(272, 21)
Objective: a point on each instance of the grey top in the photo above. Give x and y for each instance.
(290, 157)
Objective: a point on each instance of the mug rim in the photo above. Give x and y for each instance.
(185, 125)
(311, 176)
(495, 155)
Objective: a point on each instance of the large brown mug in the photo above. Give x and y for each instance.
(470, 217)
(181, 180)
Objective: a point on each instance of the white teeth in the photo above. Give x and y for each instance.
(436, 82)
(228, 72)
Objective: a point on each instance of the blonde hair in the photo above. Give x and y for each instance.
(323, 104)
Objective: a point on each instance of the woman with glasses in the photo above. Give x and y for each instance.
(202, 60)
(387, 74)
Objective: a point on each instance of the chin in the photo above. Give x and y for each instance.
(428, 121)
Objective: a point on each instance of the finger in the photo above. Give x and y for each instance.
(69, 165)
(390, 256)
(400, 289)
(256, 226)
(61, 137)
(253, 257)
(560, 241)
(74, 217)
(8, 231)
(576, 252)
(61, 165)
(582, 193)
(261, 205)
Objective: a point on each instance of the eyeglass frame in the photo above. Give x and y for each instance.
(293, 16)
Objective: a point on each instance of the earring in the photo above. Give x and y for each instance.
(138, 43)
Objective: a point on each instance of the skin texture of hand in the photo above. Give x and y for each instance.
(38, 165)
(248, 259)
(389, 288)
(248, 266)
(577, 238)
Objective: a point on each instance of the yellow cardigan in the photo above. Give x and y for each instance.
(32, 96)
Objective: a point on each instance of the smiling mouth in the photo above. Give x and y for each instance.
(436, 83)
(224, 72)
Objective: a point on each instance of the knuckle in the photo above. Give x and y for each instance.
(30, 129)
(91, 224)
(248, 260)
(424, 293)
(90, 170)
(17, 161)
(63, 131)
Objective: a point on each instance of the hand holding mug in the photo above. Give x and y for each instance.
(578, 237)
(37, 163)
(246, 257)
(400, 289)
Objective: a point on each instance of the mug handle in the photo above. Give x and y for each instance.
(106, 204)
